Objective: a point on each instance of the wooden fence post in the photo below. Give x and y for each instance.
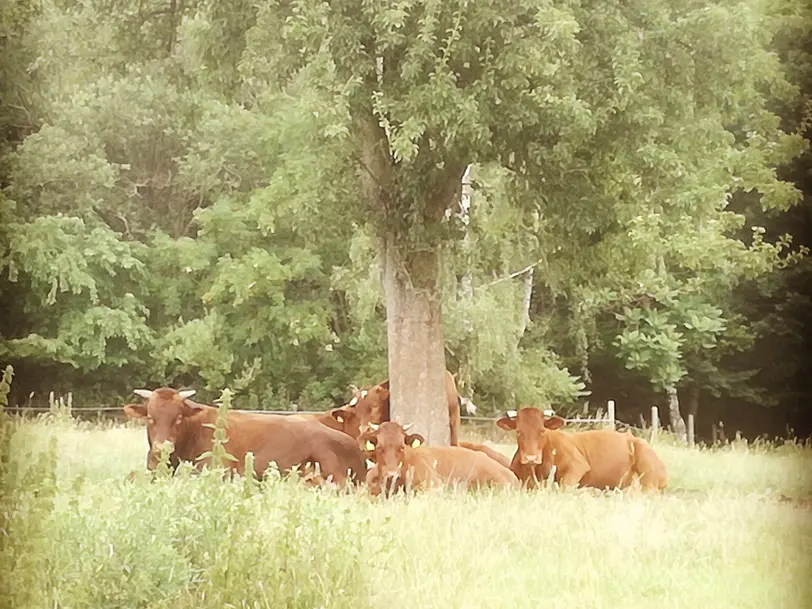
(691, 430)
(655, 423)
(610, 405)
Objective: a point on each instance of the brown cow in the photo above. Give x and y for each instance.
(372, 405)
(344, 419)
(172, 417)
(401, 460)
(648, 465)
(493, 454)
(600, 458)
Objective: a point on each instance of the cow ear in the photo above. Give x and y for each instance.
(507, 423)
(339, 414)
(414, 440)
(554, 422)
(136, 411)
(367, 441)
(190, 408)
(385, 385)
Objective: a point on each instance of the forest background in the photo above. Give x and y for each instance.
(615, 198)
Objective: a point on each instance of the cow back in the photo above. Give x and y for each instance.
(456, 465)
(493, 454)
(454, 414)
(286, 440)
(608, 454)
(648, 466)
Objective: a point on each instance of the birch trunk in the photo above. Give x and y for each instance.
(677, 423)
(525, 315)
(466, 285)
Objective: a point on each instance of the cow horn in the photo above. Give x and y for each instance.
(353, 388)
(373, 426)
(144, 393)
(407, 426)
(186, 393)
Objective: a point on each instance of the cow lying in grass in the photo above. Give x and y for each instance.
(401, 460)
(343, 419)
(493, 454)
(187, 426)
(599, 458)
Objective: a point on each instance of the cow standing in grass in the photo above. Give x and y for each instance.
(599, 458)
(187, 426)
(400, 459)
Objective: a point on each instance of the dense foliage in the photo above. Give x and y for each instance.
(181, 201)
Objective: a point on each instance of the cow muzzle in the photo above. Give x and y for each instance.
(531, 459)
(389, 483)
(391, 476)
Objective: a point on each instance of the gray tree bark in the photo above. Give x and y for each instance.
(416, 342)
(525, 314)
(677, 423)
(466, 285)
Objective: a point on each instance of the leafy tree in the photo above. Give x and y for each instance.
(602, 116)
(214, 193)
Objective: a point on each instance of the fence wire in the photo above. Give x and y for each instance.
(100, 409)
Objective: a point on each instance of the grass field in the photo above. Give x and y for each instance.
(80, 535)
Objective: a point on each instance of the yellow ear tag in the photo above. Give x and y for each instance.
(369, 445)
(340, 419)
(415, 443)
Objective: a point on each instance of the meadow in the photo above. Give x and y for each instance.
(734, 529)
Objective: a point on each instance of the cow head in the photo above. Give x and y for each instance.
(531, 426)
(371, 405)
(386, 445)
(346, 419)
(165, 411)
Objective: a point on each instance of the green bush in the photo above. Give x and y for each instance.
(185, 541)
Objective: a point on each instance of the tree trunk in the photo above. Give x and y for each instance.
(692, 400)
(466, 287)
(416, 345)
(411, 283)
(528, 295)
(677, 424)
(467, 283)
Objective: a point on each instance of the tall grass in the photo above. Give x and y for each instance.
(84, 536)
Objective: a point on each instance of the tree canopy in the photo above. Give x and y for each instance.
(267, 197)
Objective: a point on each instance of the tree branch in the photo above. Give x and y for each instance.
(529, 267)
